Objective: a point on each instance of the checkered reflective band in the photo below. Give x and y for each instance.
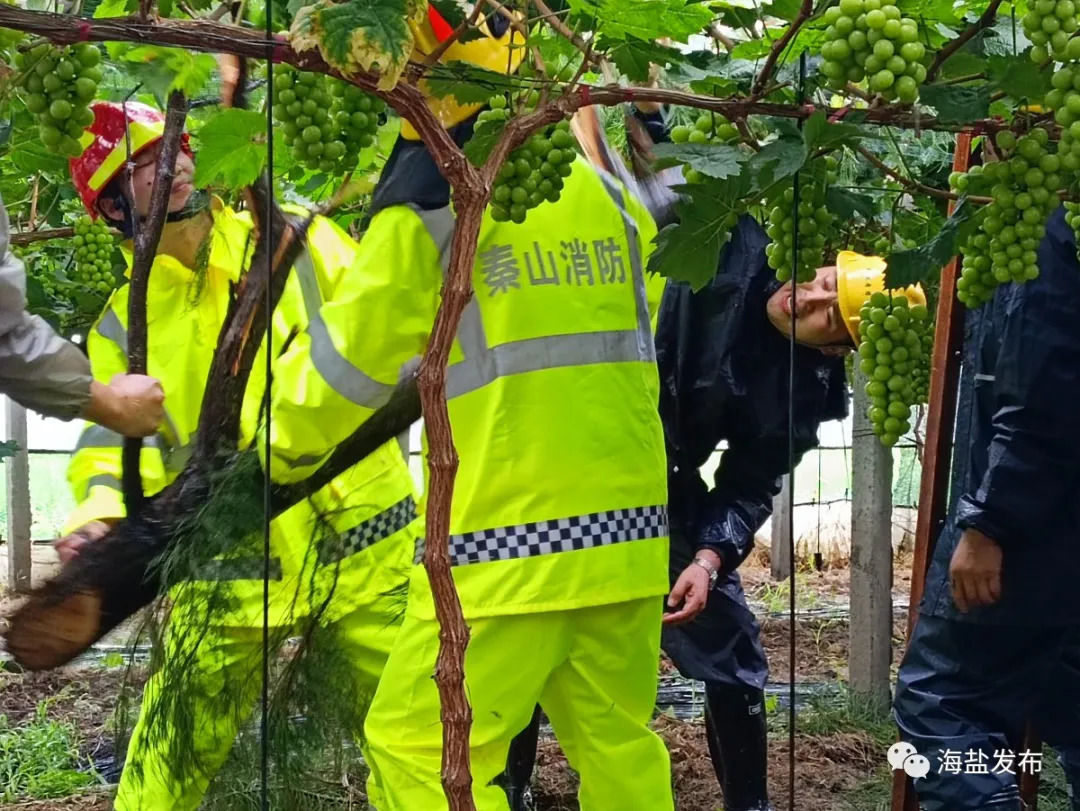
(368, 532)
(559, 535)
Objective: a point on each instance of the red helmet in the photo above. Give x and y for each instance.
(105, 149)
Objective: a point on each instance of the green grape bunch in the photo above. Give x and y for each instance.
(534, 172)
(1063, 99)
(894, 354)
(1050, 24)
(58, 85)
(872, 40)
(94, 245)
(708, 128)
(356, 115)
(816, 224)
(1023, 188)
(302, 105)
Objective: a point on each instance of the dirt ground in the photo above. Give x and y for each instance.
(840, 769)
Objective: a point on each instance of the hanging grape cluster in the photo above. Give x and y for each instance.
(709, 128)
(1049, 24)
(815, 223)
(872, 40)
(356, 117)
(894, 353)
(302, 105)
(93, 251)
(1023, 185)
(59, 84)
(534, 172)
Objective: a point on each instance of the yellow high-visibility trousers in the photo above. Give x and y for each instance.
(221, 684)
(593, 670)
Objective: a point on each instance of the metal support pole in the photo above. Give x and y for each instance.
(870, 649)
(18, 501)
(780, 554)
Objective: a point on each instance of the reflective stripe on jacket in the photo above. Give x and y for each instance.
(560, 496)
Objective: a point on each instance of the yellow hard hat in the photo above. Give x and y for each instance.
(857, 278)
(500, 53)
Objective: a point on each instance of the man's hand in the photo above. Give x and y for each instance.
(68, 547)
(691, 590)
(132, 405)
(975, 571)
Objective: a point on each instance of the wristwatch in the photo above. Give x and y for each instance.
(712, 570)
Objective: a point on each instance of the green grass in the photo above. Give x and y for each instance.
(50, 496)
(39, 760)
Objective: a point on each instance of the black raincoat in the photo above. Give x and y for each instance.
(724, 378)
(969, 682)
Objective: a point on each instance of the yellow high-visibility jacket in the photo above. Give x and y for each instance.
(560, 496)
(372, 507)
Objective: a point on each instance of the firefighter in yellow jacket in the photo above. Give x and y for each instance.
(371, 508)
(558, 528)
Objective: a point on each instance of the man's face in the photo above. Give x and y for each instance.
(143, 180)
(817, 311)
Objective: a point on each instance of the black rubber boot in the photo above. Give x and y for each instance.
(738, 743)
(519, 765)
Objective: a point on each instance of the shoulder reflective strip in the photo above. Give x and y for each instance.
(110, 327)
(225, 569)
(104, 480)
(559, 535)
(341, 375)
(94, 436)
(440, 224)
(613, 188)
(368, 532)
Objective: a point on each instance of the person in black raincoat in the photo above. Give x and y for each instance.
(998, 636)
(723, 357)
(724, 365)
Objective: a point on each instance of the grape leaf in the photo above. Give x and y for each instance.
(162, 70)
(962, 63)
(956, 104)
(467, 83)
(689, 250)
(845, 204)
(819, 133)
(777, 160)
(714, 160)
(360, 35)
(483, 140)
(786, 10)
(634, 57)
(1018, 76)
(232, 149)
(646, 19)
(31, 157)
(919, 264)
